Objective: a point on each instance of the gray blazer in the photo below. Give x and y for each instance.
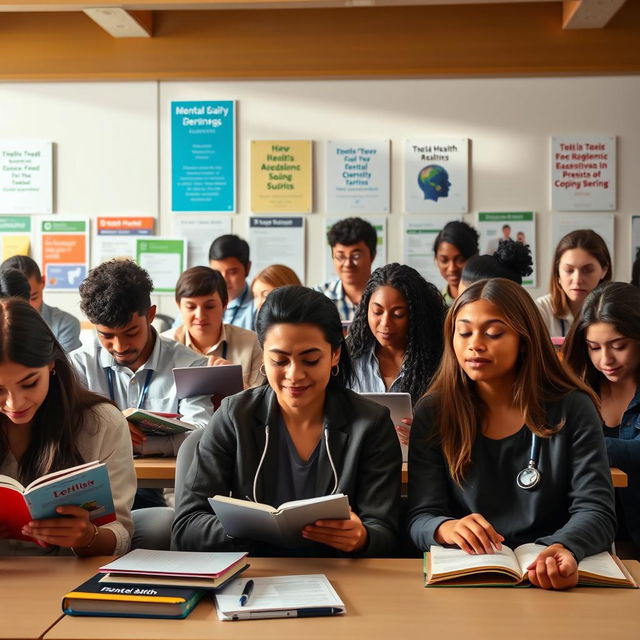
(363, 445)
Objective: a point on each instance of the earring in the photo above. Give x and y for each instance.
(53, 372)
(335, 370)
(262, 370)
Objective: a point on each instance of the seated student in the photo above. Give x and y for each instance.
(511, 260)
(453, 246)
(353, 243)
(301, 435)
(580, 263)
(603, 348)
(500, 399)
(229, 255)
(270, 278)
(65, 327)
(201, 296)
(395, 340)
(14, 284)
(49, 422)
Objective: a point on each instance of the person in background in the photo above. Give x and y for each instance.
(507, 446)
(201, 296)
(65, 327)
(229, 255)
(270, 278)
(302, 435)
(353, 243)
(580, 263)
(49, 422)
(14, 284)
(511, 260)
(395, 340)
(453, 246)
(603, 349)
(635, 270)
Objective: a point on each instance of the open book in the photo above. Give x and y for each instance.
(278, 525)
(86, 486)
(506, 567)
(154, 423)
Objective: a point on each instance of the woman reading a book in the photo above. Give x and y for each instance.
(603, 348)
(48, 423)
(301, 435)
(395, 339)
(507, 445)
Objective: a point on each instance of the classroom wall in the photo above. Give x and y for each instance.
(112, 142)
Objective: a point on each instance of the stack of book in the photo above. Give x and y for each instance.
(153, 584)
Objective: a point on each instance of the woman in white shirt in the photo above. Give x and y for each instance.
(580, 263)
(49, 422)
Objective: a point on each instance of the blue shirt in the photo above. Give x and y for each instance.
(335, 292)
(240, 311)
(367, 377)
(64, 326)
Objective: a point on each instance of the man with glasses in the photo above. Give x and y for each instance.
(353, 249)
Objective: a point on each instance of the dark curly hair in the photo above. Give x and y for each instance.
(426, 318)
(114, 291)
(350, 231)
(512, 260)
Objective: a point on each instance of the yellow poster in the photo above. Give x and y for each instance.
(281, 176)
(15, 245)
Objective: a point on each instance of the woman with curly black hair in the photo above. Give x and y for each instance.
(395, 339)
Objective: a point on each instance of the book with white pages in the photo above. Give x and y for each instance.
(277, 525)
(223, 380)
(399, 405)
(299, 596)
(506, 567)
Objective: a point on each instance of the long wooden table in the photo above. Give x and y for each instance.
(385, 599)
(160, 472)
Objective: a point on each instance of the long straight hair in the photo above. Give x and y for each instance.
(540, 377)
(25, 339)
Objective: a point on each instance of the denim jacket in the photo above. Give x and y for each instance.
(624, 453)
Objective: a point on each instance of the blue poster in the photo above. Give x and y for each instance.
(203, 156)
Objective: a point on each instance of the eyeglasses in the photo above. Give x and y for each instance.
(353, 258)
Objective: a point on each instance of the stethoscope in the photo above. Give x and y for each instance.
(530, 476)
(143, 393)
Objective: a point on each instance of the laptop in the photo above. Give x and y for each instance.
(223, 380)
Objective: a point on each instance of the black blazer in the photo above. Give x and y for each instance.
(363, 445)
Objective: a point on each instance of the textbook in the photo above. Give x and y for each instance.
(278, 525)
(154, 423)
(86, 486)
(279, 597)
(195, 569)
(93, 598)
(505, 567)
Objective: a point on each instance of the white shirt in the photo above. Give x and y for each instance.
(557, 326)
(92, 363)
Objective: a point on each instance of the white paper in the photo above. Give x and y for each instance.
(108, 247)
(601, 223)
(445, 560)
(200, 232)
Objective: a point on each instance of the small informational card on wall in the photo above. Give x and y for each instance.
(64, 252)
(15, 232)
(419, 235)
(164, 259)
(281, 176)
(26, 176)
(583, 173)
(436, 175)
(601, 223)
(115, 237)
(520, 226)
(203, 156)
(277, 240)
(199, 233)
(379, 224)
(358, 176)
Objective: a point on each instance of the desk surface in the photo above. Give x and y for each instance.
(385, 599)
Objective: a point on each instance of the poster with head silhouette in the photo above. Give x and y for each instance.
(436, 175)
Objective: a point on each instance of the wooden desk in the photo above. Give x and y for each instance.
(618, 477)
(31, 590)
(385, 600)
(155, 473)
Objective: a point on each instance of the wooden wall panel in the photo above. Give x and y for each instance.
(469, 40)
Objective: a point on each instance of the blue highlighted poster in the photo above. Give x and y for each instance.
(203, 156)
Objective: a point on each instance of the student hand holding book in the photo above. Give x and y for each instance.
(554, 568)
(345, 535)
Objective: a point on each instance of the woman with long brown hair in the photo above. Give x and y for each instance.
(507, 445)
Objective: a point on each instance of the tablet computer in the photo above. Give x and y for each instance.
(399, 405)
(223, 380)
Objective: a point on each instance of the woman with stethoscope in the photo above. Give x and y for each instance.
(507, 445)
(301, 435)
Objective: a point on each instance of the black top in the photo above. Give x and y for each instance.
(573, 503)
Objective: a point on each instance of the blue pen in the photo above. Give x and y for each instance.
(246, 592)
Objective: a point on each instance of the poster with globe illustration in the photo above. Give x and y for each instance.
(436, 175)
